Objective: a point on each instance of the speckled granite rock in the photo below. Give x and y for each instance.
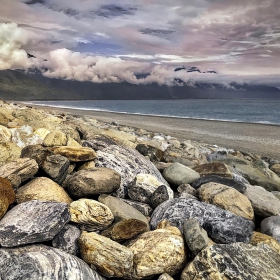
(128, 163)
(86, 183)
(221, 225)
(67, 239)
(33, 221)
(99, 142)
(271, 227)
(234, 261)
(35, 262)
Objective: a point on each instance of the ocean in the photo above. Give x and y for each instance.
(264, 111)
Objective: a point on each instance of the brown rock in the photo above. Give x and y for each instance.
(261, 238)
(276, 168)
(7, 190)
(213, 168)
(4, 204)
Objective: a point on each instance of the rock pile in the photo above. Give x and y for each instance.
(83, 199)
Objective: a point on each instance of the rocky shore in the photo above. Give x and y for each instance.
(85, 199)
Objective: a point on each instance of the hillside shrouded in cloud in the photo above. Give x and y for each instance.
(109, 41)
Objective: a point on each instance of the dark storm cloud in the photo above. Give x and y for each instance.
(32, 2)
(156, 32)
(114, 11)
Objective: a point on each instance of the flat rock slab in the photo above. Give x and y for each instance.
(221, 225)
(33, 221)
(42, 262)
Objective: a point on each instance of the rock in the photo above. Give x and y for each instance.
(33, 221)
(23, 168)
(42, 133)
(109, 257)
(271, 227)
(221, 226)
(56, 167)
(260, 238)
(213, 168)
(264, 203)
(128, 163)
(165, 276)
(91, 215)
(99, 142)
(187, 188)
(9, 152)
(121, 138)
(67, 239)
(72, 143)
(226, 198)
(55, 138)
(35, 262)
(276, 169)
(221, 180)
(160, 195)
(42, 188)
(153, 153)
(5, 134)
(173, 157)
(121, 210)
(144, 208)
(179, 174)
(158, 251)
(143, 187)
(86, 183)
(234, 261)
(89, 165)
(26, 115)
(162, 165)
(195, 236)
(276, 194)
(6, 190)
(4, 205)
(4, 120)
(75, 154)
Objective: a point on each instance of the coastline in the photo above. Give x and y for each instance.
(257, 138)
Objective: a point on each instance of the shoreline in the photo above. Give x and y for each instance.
(256, 138)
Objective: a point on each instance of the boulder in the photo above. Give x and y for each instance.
(6, 190)
(161, 194)
(276, 168)
(165, 276)
(221, 226)
(213, 168)
(264, 203)
(67, 239)
(187, 188)
(153, 153)
(90, 215)
(5, 134)
(271, 227)
(234, 261)
(55, 138)
(109, 257)
(86, 183)
(35, 262)
(33, 221)
(128, 163)
(173, 157)
(42, 188)
(9, 152)
(121, 138)
(25, 115)
(179, 174)
(89, 165)
(99, 142)
(260, 238)
(226, 198)
(144, 208)
(158, 251)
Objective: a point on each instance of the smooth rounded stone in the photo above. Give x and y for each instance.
(179, 174)
(153, 153)
(271, 227)
(42, 188)
(221, 180)
(276, 169)
(33, 221)
(125, 229)
(221, 226)
(5, 134)
(56, 167)
(128, 163)
(234, 261)
(264, 203)
(160, 195)
(143, 187)
(90, 215)
(35, 262)
(9, 152)
(23, 168)
(165, 276)
(195, 236)
(187, 188)
(121, 210)
(67, 239)
(109, 257)
(86, 183)
(159, 251)
(226, 198)
(173, 157)
(99, 142)
(213, 168)
(6, 190)
(75, 154)
(55, 138)
(260, 238)
(87, 165)
(144, 208)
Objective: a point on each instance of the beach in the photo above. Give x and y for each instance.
(261, 139)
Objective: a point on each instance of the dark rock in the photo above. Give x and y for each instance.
(271, 227)
(187, 188)
(144, 208)
(67, 239)
(221, 225)
(213, 168)
(42, 262)
(33, 221)
(153, 153)
(99, 142)
(160, 195)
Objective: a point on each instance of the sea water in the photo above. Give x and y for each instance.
(265, 111)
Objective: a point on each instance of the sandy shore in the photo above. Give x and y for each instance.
(261, 139)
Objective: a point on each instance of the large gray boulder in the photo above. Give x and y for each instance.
(32, 222)
(35, 262)
(271, 227)
(222, 226)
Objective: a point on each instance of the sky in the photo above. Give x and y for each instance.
(116, 41)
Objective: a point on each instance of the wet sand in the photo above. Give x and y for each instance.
(261, 139)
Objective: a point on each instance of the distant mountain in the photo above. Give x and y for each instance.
(16, 85)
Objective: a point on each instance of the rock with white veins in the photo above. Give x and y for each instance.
(35, 262)
(32, 222)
